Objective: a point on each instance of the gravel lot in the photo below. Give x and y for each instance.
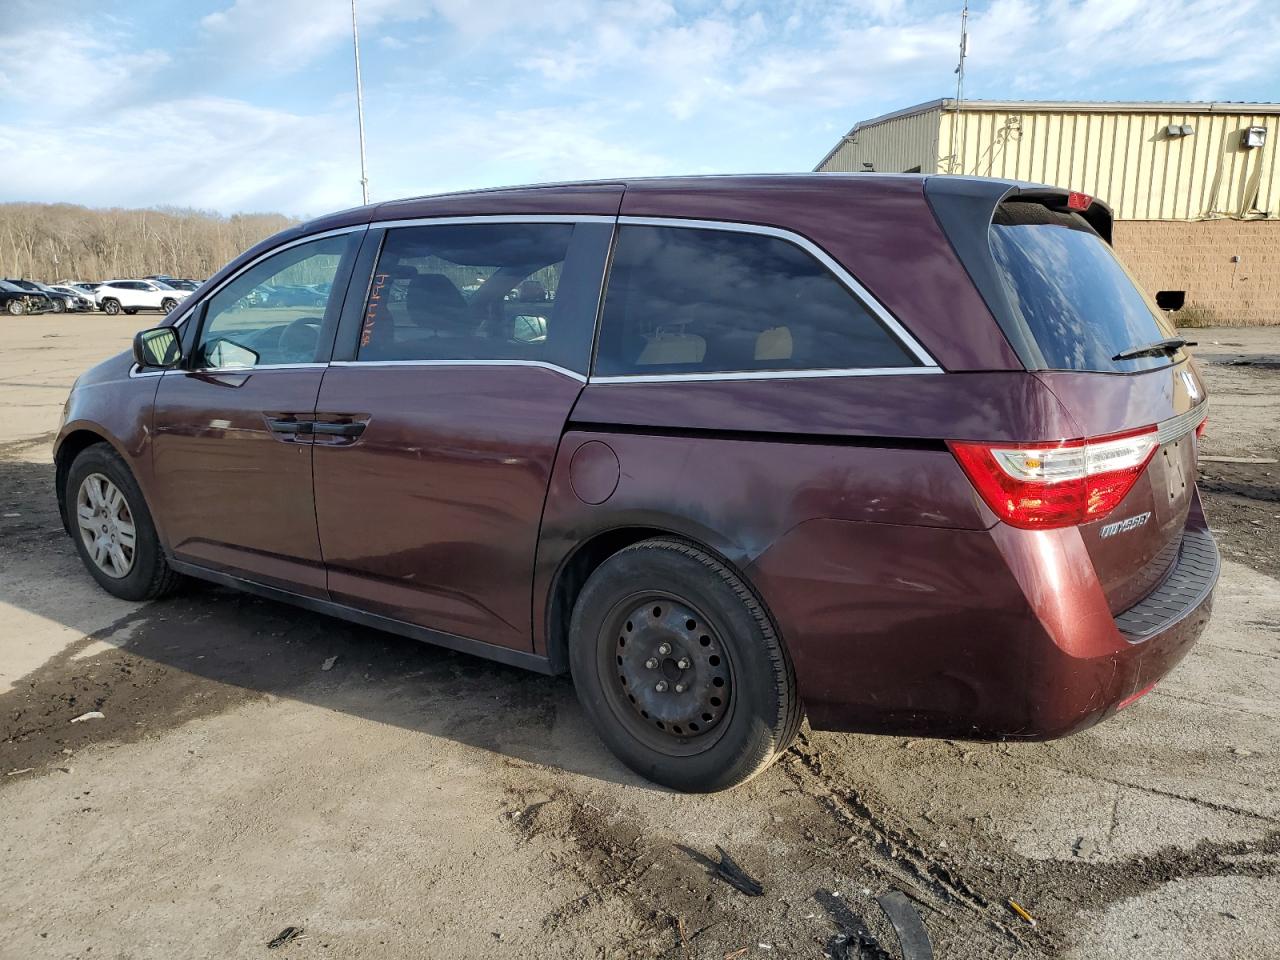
(414, 802)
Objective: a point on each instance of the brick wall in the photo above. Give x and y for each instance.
(1195, 256)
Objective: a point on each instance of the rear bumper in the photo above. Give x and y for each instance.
(996, 634)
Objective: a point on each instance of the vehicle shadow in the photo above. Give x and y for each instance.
(208, 648)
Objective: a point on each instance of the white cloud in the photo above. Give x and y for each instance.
(283, 36)
(202, 152)
(250, 107)
(56, 67)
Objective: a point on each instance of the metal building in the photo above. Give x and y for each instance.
(1195, 187)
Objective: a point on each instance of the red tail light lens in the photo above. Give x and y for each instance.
(1079, 201)
(1042, 486)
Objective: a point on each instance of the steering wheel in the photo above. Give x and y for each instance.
(298, 340)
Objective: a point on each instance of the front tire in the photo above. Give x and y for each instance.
(168, 304)
(111, 307)
(112, 527)
(15, 308)
(680, 668)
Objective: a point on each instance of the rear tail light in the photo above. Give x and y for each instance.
(1041, 486)
(1200, 429)
(1079, 201)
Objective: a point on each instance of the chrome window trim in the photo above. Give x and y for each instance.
(495, 218)
(800, 374)
(1175, 428)
(189, 304)
(215, 370)
(571, 374)
(927, 363)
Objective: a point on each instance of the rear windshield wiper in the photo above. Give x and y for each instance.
(1158, 349)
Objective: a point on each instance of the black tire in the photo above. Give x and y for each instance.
(150, 576)
(110, 306)
(59, 306)
(736, 668)
(168, 304)
(15, 308)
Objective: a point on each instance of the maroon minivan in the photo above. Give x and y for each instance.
(906, 454)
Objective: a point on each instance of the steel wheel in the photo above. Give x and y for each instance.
(106, 525)
(666, 672)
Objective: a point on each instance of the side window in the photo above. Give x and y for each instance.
(274, 311)
(468, 292)
(687, 300)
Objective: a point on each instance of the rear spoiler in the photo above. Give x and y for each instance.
(964, 208)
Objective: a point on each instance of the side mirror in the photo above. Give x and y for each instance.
(157, 347)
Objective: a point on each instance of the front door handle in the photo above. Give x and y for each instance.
(288, 426)
(339, 429)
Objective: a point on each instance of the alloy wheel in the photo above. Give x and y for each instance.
(106, 525)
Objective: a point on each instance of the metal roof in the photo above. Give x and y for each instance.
(1062, 106)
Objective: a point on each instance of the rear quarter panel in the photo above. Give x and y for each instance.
(741, 496)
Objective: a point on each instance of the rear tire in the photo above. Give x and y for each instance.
(680, 668)
(110, 307)
(147, 574)
(59, 306)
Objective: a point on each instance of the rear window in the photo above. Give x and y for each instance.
(1076, 299)
(685, 300)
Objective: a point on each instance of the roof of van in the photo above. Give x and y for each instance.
(602, 197)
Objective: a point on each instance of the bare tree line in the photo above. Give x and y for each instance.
(61, 241)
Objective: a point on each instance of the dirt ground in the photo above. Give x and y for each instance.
(411, 802)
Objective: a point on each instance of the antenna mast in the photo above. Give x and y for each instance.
(956, 164)
(355, 42)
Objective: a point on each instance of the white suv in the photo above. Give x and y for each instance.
(134, 295)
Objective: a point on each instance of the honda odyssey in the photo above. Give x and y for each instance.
(904, 454)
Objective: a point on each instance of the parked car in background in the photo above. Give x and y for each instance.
(56, 302)
(75, 299)
(18, 301)
(85, 288)
(130, 296)
(188, 285)
(722, 456)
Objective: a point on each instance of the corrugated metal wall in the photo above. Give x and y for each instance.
(892, 146)
(1126, 159)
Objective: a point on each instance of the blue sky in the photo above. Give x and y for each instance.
(247, 105)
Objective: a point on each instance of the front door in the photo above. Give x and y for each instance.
(471, 353)
(232, 447)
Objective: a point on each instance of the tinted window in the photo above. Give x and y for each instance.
(468, 292)
(684, 300)
(274, 311)
(1078, 302)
